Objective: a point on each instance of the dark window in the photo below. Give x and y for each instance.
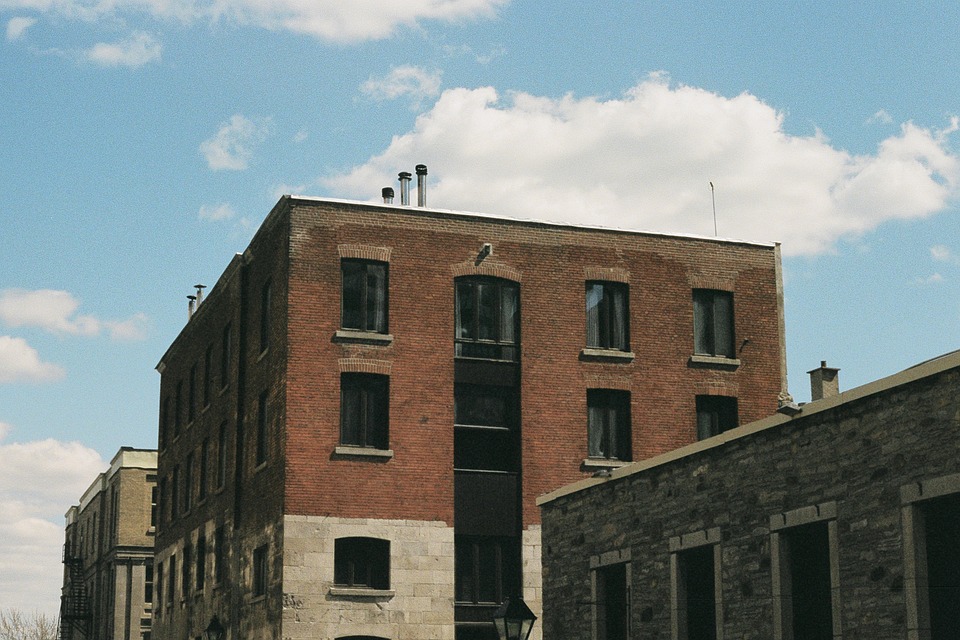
(148, 584)
(164, 422)
(362, 562)
(159, 608)
(808, 557)
(226, 340)
(185, 568)
(204, 463)
(942, 522)
(265, 295)
(713, 323)
(178, 410)
(485, 435)
(192, 395)
(175, 492)
(364, 301)
(207, 374)
(487, 568)
(364, 410)
(613, 603)
(696, 595)
(608, 424)
(487, 318)
(262, 417)
(162, 507)
(260, 571)
(187, 489)
(154, 496)
(716, 414)
(608, 324)
(222, 455)
(201, 570)
(219, 555)
(172, 580)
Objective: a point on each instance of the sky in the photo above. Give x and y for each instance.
(143, 141)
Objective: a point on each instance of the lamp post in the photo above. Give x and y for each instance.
(214, 630)
(514, 620)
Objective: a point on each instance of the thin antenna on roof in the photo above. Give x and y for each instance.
(713, 198)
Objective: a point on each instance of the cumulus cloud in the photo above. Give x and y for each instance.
(881, 117)
(231, 147)
(56, 312)
(941, 253)
(645, 161)
(17, 27)
(406, 80)
(39, 480)
(19, 362)
(215, 213)
(133, 52)
(330, 20)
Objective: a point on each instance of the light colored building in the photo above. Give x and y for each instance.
(108, 553)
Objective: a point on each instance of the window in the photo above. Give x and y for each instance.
(364, 410)
(486, 568)
(262, 416)
(187, 490)
(364, 300)
(485, 434)
(226, 340)
(265, 295)
(713, 323)
(192, 395)
(185, 568)
(162, 507)
(613, 602)
(207, 374)
(178, 410)
(164, 422)
(607, 316)
(175, 493)
(148, 584)
(172, 580)
(260, 571)
(201, 571)
(696, 604)
(154, 496)
(608, 424)
(935, 527)
(487, 318)
(159, 589)
(219, 555)
(805, 563)
(222, 455)
(716, 414)
(361, 562)
(204, 463)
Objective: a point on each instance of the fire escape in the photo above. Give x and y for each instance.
(75, 615)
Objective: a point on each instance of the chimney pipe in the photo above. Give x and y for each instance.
(190, 306)
(824, 382)
(199, 288)
(421, 185)
(387, 193)
(405, 188)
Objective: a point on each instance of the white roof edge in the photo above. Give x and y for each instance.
(133, 459)
(552, 223)
(916, 372)
(92, 491)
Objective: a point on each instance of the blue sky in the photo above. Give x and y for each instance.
(143, 141)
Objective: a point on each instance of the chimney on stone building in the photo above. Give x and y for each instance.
(824, 382)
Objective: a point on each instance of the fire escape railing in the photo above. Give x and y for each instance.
(75, 614)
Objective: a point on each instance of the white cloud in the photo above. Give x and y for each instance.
(56, 311)
(933, 278)
(135, 51)
(406, 80)
(330, 20)
(17, 27)
(38, 482)
(645, 160)
(231, 147)
(941, 253)
(301, 136)
(881, 117)
(19, 362)
(222, 211)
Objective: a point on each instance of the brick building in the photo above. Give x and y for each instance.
(108, 553)
(357, 419)
(840, 519)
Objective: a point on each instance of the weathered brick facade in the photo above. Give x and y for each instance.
(866, 466)
(307, 475)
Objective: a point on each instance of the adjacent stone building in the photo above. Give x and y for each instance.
(836, 519)
(357, 419)
(108, 553)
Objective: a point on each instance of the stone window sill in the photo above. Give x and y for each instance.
(608, 355)
(715, 361)
(604, 463)
(346, 336)
(361, 592)
(363, 452)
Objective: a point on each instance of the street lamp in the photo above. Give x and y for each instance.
(214, 630)
(514, 620)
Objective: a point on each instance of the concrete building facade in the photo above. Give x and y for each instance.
(357, 419)
(836, 519)
(108, 553)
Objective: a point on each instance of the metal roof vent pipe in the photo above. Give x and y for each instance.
(190, 306)
(387, 193)
(405, 188)
(199, 288)
(421, 185)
